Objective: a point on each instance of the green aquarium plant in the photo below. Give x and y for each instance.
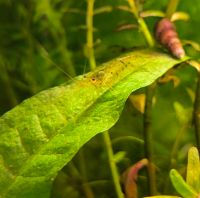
(191, 186)
(98, 98)
(43, 133)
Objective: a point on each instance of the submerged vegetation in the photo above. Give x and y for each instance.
(143, 98)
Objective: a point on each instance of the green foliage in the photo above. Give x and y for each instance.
(43, 44)
(193, 169)
(181, 186)
(190, 187)
(163, 196)
(42, 134)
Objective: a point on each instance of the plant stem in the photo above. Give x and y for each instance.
(133, 8)
(141, 23)
(146, 32)
(86, 187)
(80, 176)
(197, 113)
(89, 44)
(148, 146)
(112, 164)
(92, 62)
(171, 8)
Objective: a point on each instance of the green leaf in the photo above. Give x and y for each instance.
(163, 196)
(119, 156)
(181, 186)
(41, 135)
(182, 113)
(193, 169)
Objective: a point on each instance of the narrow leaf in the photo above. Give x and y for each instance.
(41, 135)
(181, 186)
(193, 169)
(129, 179)
(163, 196)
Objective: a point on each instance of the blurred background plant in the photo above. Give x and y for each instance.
(44, 43)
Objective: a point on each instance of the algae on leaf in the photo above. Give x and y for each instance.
(43, 133)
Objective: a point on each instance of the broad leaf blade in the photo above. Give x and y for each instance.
(181, 186)
(39, 137)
